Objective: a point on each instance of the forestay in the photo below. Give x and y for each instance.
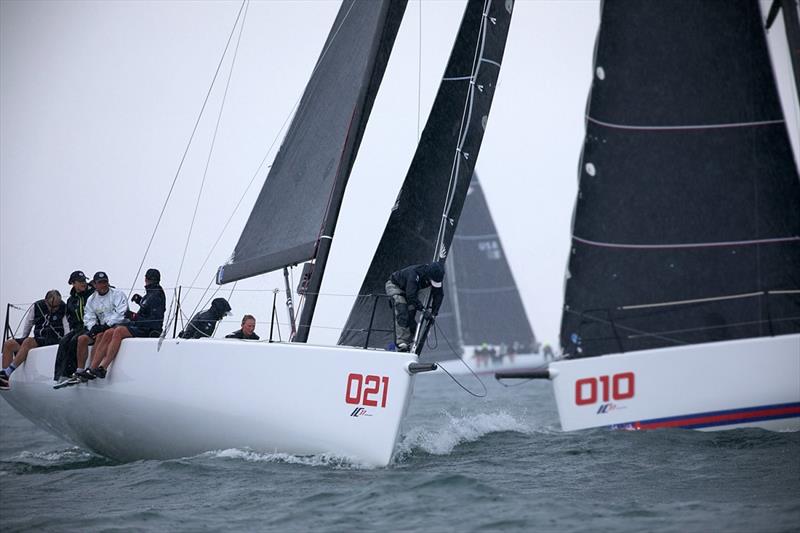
(687, 221)
(425, 215)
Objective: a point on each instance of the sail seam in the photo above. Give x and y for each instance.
(487, 291)
(686, 245)
(708, 328)
(687, 127)
(457, 78)
(475, 237)
(709, 299)
(495, 63)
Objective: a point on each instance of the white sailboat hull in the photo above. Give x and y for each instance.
(193, 396)
(724, 385)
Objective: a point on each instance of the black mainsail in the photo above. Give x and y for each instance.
(295, 214)
(482, 303)
(425, 215)
(687, 221)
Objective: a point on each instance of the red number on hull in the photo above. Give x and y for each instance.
(364, 389)
(622, 388)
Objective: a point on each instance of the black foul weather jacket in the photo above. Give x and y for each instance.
(152, 307)
(413, 279)
(75, 306)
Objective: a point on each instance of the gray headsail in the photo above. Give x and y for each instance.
(424, 218)
(314, 162)
(483, 303)
(687, 221)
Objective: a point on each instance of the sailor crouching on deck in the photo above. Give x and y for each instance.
(403, 287)
(48, 319)
(203, 324)
(148, 322)
(104, 309)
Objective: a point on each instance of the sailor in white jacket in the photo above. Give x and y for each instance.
(104, 309)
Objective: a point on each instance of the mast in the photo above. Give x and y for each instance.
(378, 57)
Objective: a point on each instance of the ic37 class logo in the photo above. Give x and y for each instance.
(366, 391)
(607, 389)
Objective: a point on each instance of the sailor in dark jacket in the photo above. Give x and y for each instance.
(403, 288)
(147, 322)
(248, 330)
(48, 320)
(202, 324)
(66, 358)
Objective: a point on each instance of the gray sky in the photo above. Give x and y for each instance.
(97, 101)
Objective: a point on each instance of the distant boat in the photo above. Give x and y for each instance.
(482, 319)
(173, 397)
(682, 301)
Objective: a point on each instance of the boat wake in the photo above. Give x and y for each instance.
(458, 430)
(325, 460)
(64, 459)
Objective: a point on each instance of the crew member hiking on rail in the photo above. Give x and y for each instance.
(148, 322)
(66, 358)
(104, 309)
(48, 320)
(403, 287)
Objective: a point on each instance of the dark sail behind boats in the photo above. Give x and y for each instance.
(317, 154)
(687, 221)
(483, 304)
(436, 183)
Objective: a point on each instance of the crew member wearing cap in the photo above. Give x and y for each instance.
(148, 322)
(403, 287)
(104, 309)
(66, 358)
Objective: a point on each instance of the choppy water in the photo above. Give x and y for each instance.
(464, 463)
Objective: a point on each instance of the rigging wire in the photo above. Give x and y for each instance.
(213, 142)
(458, 356)
(278, 135)
(419, 74)
(188, 145)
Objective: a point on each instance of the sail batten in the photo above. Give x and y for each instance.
(687, 220)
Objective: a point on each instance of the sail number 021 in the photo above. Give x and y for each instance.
(616, 387)
(367, 390)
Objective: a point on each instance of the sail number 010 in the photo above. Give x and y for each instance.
(367, 390)
(616, 387)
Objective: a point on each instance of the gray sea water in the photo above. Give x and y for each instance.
(463, 463)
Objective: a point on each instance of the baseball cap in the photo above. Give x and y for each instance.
(100, 276)
(78, 275)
